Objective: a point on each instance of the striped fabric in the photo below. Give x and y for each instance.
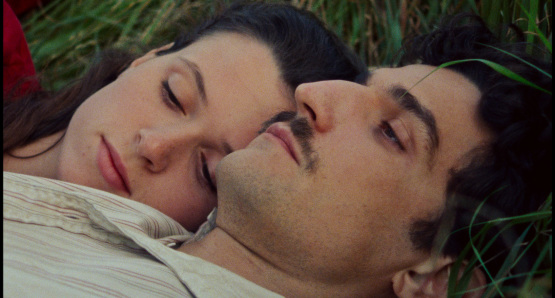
(67, 240)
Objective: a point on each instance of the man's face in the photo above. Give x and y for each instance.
(156, 133)
(343, 209)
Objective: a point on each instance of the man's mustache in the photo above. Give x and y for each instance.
(302, 131)
(284, 116)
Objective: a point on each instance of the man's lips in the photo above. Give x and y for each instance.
(111, 167)
(285, 137)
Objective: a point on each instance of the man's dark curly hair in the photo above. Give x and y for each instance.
(513, 172)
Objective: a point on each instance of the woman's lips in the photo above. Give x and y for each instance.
(111, 167)
(284, 136)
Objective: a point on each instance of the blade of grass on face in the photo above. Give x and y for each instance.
(520, 59)
(497, 67)
(532, 216)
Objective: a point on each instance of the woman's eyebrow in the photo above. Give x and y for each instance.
(199, 80)
(409, 103)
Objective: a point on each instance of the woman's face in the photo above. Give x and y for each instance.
(156, 133)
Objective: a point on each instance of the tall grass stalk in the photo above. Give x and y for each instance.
(64, 35)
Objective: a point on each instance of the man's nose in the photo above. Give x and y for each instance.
(315, 102)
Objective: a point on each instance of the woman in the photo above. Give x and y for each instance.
(152, 129)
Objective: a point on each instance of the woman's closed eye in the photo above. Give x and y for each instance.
(170, 99)
(390, 134)
(206, 174)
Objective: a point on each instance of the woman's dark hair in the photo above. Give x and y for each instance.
(303, 48)
(42, 113)
(513, 172)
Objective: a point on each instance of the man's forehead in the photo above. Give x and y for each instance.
(406, 75)
(414, 74)
(433, 87)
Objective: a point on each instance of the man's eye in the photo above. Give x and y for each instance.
(169, 98)
(390, 134)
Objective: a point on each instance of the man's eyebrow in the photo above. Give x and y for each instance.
(199, 80)
(408, 102)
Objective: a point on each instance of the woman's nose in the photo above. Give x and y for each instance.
(157, 146)
(316, 102)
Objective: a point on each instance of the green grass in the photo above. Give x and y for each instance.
(65, 35)
(538, 280)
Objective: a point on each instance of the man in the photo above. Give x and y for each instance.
(347, 197)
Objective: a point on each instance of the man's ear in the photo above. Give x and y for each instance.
(431, 277)
(151, 54)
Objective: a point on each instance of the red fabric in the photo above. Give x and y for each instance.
(17, 58)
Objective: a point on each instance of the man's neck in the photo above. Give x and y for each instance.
(219, 248)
